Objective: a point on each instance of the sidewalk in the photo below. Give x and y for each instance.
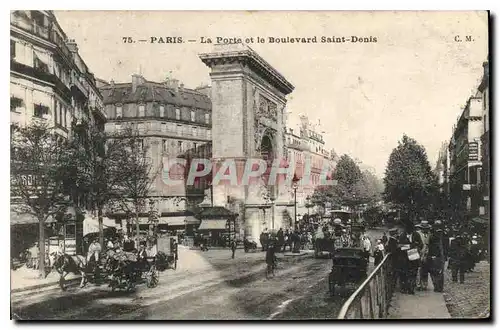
(471, 299)
(423, 305)
(25, 278)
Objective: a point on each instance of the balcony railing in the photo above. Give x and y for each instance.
(29, 25)
(371, 300)
(80, 86)
(40, 74)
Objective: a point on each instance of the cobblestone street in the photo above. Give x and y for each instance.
(471, 299)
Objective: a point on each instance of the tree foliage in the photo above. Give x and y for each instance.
(137, 176)
(353, 186)
(99, 162)
(409, 181)
(38, 177)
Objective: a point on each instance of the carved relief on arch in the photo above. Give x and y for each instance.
(266, 108)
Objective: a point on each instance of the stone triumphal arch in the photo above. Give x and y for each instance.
(248, 113)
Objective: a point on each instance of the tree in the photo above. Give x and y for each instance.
(138, 175)
(98, 160)
(38, 175)
(350, 189)
(371, 187)
(409, 181)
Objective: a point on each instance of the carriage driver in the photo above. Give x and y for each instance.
(94, 250)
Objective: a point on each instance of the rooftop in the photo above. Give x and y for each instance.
(153, 92)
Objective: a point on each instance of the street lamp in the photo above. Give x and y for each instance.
(295, 185)
(272, 199)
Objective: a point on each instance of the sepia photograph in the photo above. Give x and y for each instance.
(249, 165)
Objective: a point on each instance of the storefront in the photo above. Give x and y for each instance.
(63, 232)
(217, 226)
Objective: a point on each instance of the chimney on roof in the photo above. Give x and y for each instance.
(72, 46)
(486, 68)
(137, 80)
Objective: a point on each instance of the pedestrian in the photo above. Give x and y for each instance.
(270, 260)
(424, 270)
(378, 253)
(262, 240)
(435, 257)
(392, 248)
(233, 248)
(458, 258)
(384, 239)
(410, 244)
(367, 247)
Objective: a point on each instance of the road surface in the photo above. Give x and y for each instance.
(221, 289)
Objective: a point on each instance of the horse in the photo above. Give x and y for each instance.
(77, 264)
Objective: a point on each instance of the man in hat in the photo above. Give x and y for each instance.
(392, 248)
(424, 234)
(435, 257)
(458, 257)
(409, 243)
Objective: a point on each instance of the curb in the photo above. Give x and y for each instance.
(45, 285)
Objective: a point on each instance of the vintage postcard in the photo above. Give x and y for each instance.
(249, 165)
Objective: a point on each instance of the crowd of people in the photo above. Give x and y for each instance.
(420, 251)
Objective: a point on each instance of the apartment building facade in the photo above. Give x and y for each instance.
(50, 83)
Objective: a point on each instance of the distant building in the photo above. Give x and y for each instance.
(173, 121)
(466, 161)
(484, 94)
(306, 144)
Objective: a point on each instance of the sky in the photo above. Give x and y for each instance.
(414, 80)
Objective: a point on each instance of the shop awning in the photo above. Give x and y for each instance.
(26, 218)
(213, 224)
(190, 220)
(172, 221)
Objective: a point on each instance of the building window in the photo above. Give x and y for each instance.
(15, 102)
(118, 126)
(12, 49)
(119, 112)
(207, 118)
(178, 114)
(162, 111)
(141, 110)
(163, 127)
(140, 126)
(195, 132)
(40, 110)
(61, 114)
(140, 144)
(164, 145)
(194, 146)
(179, 130)
(179, 143)
(192, 116)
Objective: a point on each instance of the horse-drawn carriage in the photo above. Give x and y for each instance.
(349, 266)
(121, 269)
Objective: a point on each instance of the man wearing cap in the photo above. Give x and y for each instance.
(424, 234)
